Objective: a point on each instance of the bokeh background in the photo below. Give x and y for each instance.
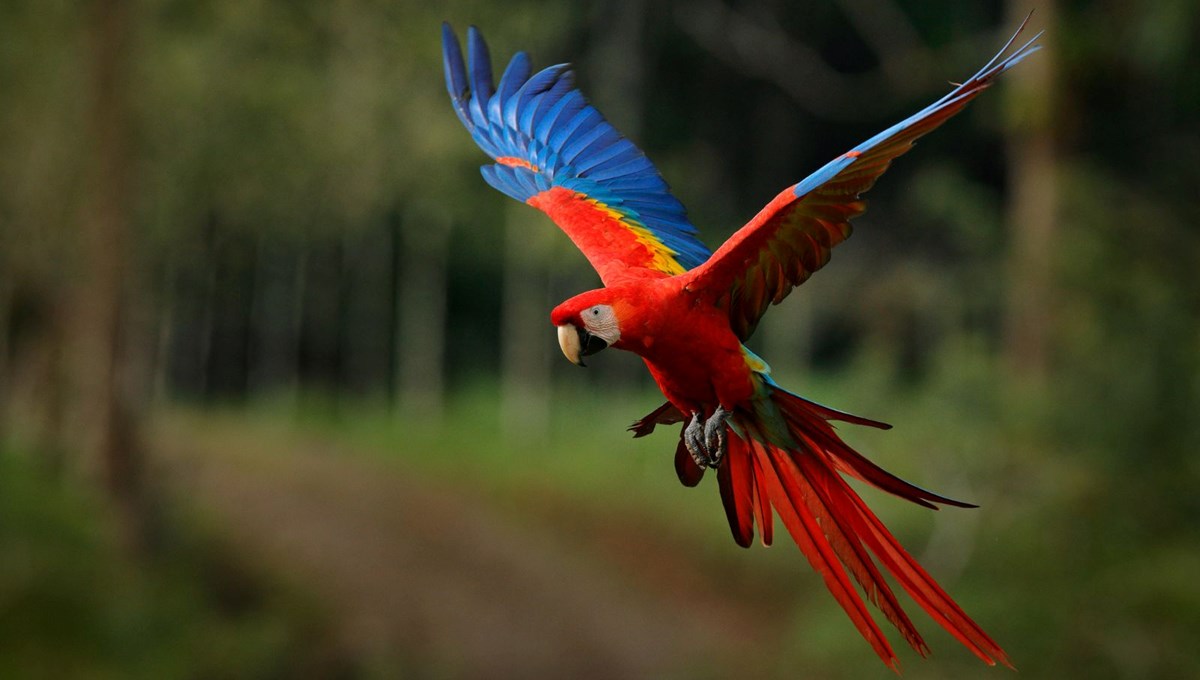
(279, 396)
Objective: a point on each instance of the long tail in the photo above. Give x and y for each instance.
(830, 523)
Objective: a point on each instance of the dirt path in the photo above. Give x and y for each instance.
(431, 575)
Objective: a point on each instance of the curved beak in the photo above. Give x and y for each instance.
(577, 343)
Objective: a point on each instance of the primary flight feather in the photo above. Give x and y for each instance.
(686, 311)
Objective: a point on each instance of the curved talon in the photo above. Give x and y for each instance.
(693, 439)
(715, 437)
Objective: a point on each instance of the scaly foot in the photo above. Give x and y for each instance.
(715, 437)
(693, 439)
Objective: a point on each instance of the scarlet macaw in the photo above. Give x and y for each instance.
(687, 313)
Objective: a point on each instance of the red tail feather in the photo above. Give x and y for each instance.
(737, 491)
(833, 526)
(811, 420)
(762, 500)
(922, 588)
(686, 469)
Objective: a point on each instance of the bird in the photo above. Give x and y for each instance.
(688, 312)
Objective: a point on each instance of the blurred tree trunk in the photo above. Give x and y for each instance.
(5, 374)
(423, 245)
(249, 341)
(1032, 210)
(52, 378)
(321, 306)
(342, 379)
(525, 332)
(208, 310)
(109, 441)
(260, 321)
(275, 310)
(300, 294)
(160, 382)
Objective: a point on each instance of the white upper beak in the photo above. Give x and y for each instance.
(568, 340)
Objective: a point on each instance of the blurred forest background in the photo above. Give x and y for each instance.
(279, 396)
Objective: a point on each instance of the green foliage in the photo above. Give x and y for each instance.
(73, 603)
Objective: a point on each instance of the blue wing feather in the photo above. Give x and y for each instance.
(542, 120)
(622, 150)
(481, 66)
(634, 165)
(580, 123)
(597, 136)
(563, 110)
(518, 71)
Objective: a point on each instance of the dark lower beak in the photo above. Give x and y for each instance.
(590, 344)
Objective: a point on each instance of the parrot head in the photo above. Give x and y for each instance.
(586, 324)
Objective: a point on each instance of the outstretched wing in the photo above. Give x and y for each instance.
(792, 236)
(556, 152)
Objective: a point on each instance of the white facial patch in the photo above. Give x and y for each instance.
(601, 321)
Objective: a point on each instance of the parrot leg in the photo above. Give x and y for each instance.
(715, 437)
(693, 439)
(707, 441)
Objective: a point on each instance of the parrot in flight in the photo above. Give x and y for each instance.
(688, 312)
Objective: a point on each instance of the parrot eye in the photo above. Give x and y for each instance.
(601, 320)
